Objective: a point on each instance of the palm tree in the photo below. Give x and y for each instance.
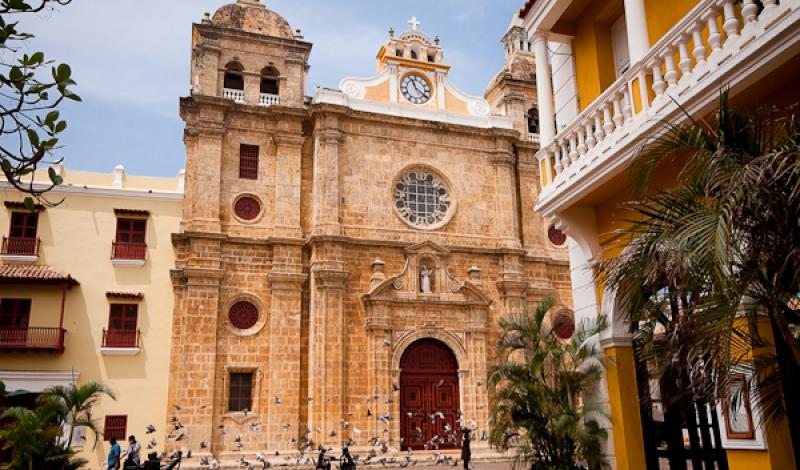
(77, 403)
(703, 262)
(34, 436)
(537, 392)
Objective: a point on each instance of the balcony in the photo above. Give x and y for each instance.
(233, 95)
(128, 254)
(719, 42)
(32, 339)
(533, 137)
(120, 342)
(268, 99)
(20, 250)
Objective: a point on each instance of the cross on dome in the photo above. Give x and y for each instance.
(414, 23)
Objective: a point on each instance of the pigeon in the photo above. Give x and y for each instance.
(178, 408)
(277, 400)
(203, 445)
(369, 412)
(478, 383)
(150, 429)
(204, 462)
(152, 444)
(386, 342)
(441, 382)
(395, 387)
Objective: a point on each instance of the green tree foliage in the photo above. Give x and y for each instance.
(36, 437)
(77, 403)
(31, 89)
(708, 260)
(537, 389)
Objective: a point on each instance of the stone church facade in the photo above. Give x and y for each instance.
(344, 260)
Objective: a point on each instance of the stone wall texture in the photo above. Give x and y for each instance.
(331, 266)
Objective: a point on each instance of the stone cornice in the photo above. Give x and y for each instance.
(289, 140)
(283, 281)
(331, 278)
(209, 30)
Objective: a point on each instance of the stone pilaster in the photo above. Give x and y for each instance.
(507, 227)
(192, 398)
(327, 190)
(287, 185)
(327, 390)
(531, 223)
(203, 184)
(283, 373)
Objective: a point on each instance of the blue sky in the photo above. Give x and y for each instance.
(131, 60)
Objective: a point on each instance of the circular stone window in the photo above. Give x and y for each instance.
(247, 208)
(556, 236)
(243, 315)
(422, 199)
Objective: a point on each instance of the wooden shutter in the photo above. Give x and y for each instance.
(15, 313)
(23, 224)
(116, 426)
(248, 162)
(123, 317)
(131, 230)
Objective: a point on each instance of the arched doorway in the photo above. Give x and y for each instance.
(429, 396)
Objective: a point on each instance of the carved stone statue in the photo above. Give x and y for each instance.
(425, 280)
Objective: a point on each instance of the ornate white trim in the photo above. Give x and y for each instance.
(477, 106)
(357, 87)
(105, 192)
(337, 97)
(36, 381)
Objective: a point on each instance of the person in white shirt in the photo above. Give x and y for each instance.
(133, 452)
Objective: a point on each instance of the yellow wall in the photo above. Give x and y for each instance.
(76, 238)
(594, 56)
(663, 15)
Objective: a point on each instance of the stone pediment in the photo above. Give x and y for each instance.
(425, 260)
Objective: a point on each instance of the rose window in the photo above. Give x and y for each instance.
(243, 315)
(421, 198)
(247, 208)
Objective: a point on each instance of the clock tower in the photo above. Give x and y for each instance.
(412, 74)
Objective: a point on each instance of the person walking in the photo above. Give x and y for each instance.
(114, 454)
(133, 453)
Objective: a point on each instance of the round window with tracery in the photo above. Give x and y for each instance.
(247, 208)
(243, 315)
(421, 198)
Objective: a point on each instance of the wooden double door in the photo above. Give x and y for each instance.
(429, 397)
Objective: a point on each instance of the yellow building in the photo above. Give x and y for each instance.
(609, 72)
(85, 295)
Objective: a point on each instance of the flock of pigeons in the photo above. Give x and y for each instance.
(380, 452)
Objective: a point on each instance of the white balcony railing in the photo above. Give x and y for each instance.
(632, 106)
(268, 99)
(533, 137)
(234, 95)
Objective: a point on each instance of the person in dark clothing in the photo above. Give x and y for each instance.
(347, 462)
(322, 462)
(466, 452)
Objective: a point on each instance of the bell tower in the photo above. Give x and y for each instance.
(249, 54)
(512, 92)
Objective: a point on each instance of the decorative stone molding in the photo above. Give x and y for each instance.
(263, 314)
(450, 198)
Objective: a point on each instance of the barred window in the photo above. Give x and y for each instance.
(240, 391)
(248, 162)
(421, 198)
(116, 427)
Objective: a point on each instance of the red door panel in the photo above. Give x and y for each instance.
(429, 396)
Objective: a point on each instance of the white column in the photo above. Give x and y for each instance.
(636, 23)
(544, 90)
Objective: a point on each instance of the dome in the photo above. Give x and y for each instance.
(253, 17)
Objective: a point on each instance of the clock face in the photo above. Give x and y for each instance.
(415, 89)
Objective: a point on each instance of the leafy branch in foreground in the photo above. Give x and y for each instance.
(32, 88)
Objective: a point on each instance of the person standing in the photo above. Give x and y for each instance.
(114, 454)
(133, 453)
(466, 451)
